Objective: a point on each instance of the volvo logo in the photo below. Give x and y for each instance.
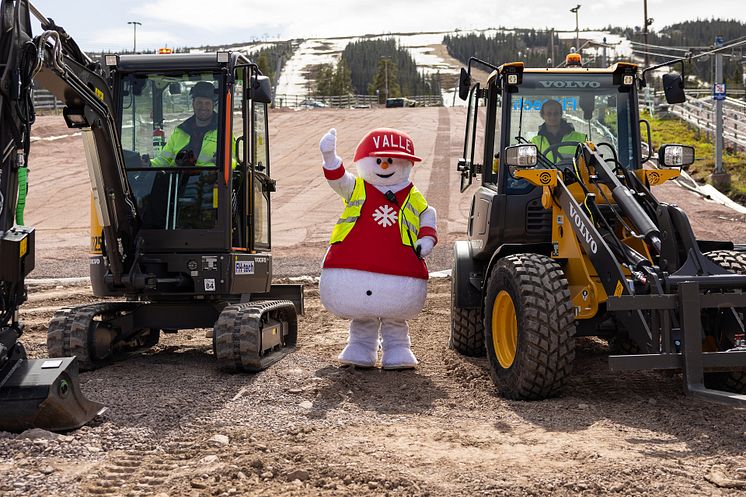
(585, 233)
(570, 84)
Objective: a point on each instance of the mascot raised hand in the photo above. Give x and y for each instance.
(374, 273)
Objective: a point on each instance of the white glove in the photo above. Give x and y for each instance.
(328, 147)
(425, 245)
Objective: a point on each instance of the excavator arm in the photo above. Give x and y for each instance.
(45, 393)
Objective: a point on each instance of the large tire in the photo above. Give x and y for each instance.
(733, 381)
(529, 324)
(467, 329)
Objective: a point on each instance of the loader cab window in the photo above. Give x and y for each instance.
(171, 143)
(557, 111)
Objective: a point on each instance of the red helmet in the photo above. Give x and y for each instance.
(386, 142)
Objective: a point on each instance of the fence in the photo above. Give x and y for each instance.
(346, 101)
(43, 99)
(700, 112)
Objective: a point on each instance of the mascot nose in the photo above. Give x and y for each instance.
(384, 165)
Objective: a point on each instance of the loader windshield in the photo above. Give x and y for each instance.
(558, 111)
(170, 133)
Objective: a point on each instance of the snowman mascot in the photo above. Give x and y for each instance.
(374, 271)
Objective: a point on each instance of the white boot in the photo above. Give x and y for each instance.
(397, 353)
(362, 345)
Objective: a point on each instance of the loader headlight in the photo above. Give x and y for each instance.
(521, 156)
(675, 155)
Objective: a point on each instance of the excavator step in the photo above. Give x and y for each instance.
(254, 335)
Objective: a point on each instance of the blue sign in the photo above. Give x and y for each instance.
(568, 103)
(718, 91)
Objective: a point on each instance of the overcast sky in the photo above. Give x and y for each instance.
(175, 23)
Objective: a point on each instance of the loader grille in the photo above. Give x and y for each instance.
(538, 219)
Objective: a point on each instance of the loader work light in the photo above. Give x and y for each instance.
(110, 60)
(521, 156)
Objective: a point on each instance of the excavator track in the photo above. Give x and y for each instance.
(72, 332)
(254, 335)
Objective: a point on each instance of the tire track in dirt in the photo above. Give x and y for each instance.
(439, 186)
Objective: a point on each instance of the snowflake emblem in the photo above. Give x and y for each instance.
(385, 215)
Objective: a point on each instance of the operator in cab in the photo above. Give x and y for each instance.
(194, 142)
(556, 130)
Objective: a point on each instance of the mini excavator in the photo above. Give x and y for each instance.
(182, 241)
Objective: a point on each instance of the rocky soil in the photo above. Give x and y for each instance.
(175, 425)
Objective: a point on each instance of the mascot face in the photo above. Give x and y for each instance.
(384, 171)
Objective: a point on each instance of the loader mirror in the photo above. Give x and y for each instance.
(588, 104)
(673, 87)
(174, 88)
(464, 84)
(260, 90)
(675, 155)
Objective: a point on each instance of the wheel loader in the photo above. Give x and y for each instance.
(178, 241)
(566, 238)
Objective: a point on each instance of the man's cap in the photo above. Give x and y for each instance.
(203, 89)
(386, 142)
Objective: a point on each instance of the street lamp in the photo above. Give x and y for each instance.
(386, 75)
(648, 22)
(577, 30)
(135, 24)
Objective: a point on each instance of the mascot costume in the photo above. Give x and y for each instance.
(374, 271)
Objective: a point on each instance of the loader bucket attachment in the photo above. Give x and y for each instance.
(45, 393)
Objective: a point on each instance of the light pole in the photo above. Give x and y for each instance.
(577, 29)
(386, 77)
(135, 24)
(648, 22)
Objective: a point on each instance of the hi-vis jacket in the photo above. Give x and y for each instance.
(568, 135)
(408, 218)
(180, 138)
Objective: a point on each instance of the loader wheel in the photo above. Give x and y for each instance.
(467, 329)
(721, 339)
(529, 325)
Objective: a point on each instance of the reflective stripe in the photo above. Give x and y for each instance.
(355, 203)
(347, 219)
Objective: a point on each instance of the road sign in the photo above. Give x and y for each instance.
(718, 91)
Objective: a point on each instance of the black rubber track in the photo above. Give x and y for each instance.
(237, 334)
(546, 326)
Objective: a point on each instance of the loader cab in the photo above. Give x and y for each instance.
(195, 144)
(597, 105)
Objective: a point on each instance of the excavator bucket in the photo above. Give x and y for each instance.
(44, 393)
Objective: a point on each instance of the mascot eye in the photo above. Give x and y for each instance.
(378, 161)
(390, 160)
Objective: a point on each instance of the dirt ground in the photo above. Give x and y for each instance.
(177, 426)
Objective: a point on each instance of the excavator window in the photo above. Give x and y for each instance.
(171, 145)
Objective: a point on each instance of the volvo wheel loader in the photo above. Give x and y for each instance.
(182, 239)
(566, 239)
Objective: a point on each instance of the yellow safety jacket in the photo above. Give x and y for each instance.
(409, 214)
(542, 143)
(181, 138)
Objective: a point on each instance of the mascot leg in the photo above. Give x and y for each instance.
(397, 353)
(362, 346)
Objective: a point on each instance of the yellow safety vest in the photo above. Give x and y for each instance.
(542, 143)
(409, 214)
(180, 139)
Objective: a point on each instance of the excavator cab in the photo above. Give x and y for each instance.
(195, 251)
